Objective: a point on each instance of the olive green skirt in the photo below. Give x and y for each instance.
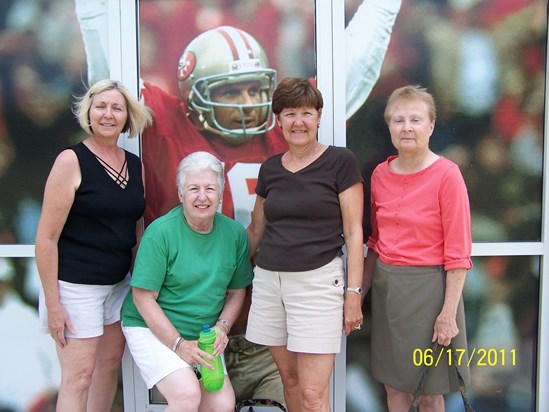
(405, 303)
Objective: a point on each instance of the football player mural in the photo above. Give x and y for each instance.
(223, 106)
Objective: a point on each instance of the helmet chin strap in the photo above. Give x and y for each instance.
(205, 121)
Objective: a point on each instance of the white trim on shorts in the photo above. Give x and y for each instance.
(300, 310)
(154, 359)
(89, 307)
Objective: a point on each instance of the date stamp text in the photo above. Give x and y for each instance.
(456, 356)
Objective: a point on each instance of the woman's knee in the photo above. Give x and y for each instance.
(222, 405)
(78, 379)
(314, 398)
(431, 402)
(183, 398)
(397, 400)
(110, 361)
(111, 346)
(289, 377)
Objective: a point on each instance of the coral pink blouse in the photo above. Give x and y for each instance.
(423, 218)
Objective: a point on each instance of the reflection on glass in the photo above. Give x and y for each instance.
(156, 398)
(283, 32)
(40, 70)
(501, 308)
(486, 68)
(210, 85)
(30, 372)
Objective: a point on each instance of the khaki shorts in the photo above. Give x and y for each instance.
(300, 310)
(252, 370)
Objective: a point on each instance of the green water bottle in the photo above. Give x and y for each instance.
(211, 378)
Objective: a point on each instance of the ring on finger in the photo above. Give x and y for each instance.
(357, 327)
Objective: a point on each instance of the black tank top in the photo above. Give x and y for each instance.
(96, 241)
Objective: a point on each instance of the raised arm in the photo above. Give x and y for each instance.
(367, 38)
(93, 19)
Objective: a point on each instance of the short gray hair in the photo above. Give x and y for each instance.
(411, 92)
(199, 162)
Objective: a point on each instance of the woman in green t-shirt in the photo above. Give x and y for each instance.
(191, 269)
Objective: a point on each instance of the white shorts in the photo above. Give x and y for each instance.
(154, 359)
(89, 307)
(300, 310)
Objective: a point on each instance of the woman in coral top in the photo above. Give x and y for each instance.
(418, 255)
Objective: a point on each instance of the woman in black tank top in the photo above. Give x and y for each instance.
(90, 222)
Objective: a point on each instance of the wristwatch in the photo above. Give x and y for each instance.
(358, 291)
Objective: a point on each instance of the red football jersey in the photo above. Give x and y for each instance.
(172, 136)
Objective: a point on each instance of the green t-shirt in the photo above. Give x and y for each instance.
(191, 271)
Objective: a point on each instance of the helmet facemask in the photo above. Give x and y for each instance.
(200, 101)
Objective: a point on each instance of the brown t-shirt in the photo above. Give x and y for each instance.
(304, 228)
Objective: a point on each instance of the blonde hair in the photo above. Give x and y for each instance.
(139, 115)
(410, 92)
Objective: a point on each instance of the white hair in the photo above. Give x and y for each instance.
(198, 162)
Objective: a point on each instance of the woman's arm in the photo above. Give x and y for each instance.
(163, 329)
(369, 267)
(59, 192)
(234, 300)
(140, 224)
(445, 328)
(351, 203)
(256, 228)
(139, 230)
(456, 223)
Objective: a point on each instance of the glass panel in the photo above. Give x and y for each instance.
(282, 39)
(284, 32)
(485, 66)
(501, 309)
(30, 372)
(42, 65)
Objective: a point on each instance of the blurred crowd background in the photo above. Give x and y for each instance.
(484, 61)
(41, 66)
(284, 28)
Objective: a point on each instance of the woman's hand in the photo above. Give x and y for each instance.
(221, 340)
(189, 351)
(445, 329)
(57, 321)
(352, 313)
